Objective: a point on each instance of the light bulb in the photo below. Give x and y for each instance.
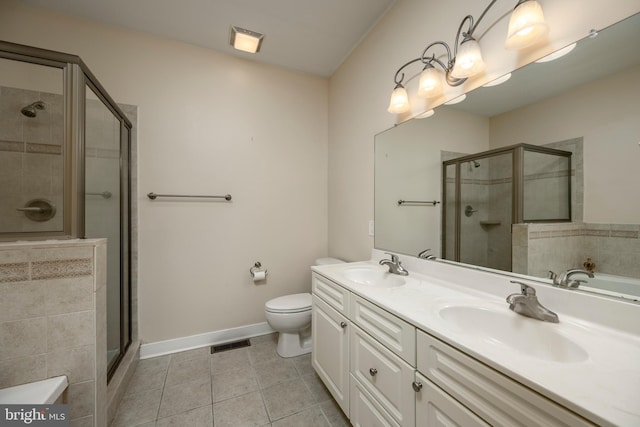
(399, 102)
(468, 61)
(430, 84)
(526, 25)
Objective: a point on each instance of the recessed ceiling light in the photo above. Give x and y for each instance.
(426, 114)
(498, 81)
(557, 54)
(456, 100)
(245, 40)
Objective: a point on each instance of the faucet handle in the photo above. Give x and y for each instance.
(394, 257)
(525, 289)
(424, 254)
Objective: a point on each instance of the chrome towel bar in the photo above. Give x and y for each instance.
(153, 196)
(105, 194)
(417, 202)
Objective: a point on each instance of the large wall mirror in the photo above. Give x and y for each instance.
(584, 103)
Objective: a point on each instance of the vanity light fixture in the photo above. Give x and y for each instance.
(526, 27)
(245, 40)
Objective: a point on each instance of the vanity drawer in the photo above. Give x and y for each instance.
(365, 411)
(334, 295)
(384, 375)
(486, 392)
(435, 408)
(396, 334)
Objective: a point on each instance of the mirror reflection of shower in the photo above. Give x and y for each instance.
(31, 110)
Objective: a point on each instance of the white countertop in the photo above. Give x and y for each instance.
(602, 386)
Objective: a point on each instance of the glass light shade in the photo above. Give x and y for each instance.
(526, 25)
(430, 84)
(468, 61)
(399, 101)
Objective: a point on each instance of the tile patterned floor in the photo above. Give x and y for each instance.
(250, 386)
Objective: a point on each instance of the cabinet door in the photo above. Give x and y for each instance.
(384, 375)
(330, 356)
(435, 408)
(365, 411)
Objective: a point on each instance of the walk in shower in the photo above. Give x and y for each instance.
(485, 193)
(65, 167)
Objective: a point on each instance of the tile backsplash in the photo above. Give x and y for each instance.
(614, 248)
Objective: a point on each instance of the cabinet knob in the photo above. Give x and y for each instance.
(373, 372)
(343, 325)
(417, 386)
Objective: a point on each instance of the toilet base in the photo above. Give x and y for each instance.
(294, 344)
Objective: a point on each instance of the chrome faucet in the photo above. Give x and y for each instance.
(564, 280)
(526, 303)
(425, 254)
(394, 264)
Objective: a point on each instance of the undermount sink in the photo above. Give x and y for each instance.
(373, 276)
(532, 337)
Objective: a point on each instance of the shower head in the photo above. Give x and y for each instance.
(31, 109)
(475, 163)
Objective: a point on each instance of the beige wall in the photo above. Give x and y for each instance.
(360, 89)
(209, 123)
(611, 134)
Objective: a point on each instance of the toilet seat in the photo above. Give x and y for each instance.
(294, 303)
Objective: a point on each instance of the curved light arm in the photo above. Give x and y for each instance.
(399, 81)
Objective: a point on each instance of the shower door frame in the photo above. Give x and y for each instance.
(76, 77)
(517, 188)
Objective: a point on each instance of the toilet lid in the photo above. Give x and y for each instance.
(289, 303)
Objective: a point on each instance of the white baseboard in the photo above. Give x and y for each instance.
(176, 345)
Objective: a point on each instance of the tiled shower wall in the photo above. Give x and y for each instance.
(53, 320)
(538, 248)
(30, 157)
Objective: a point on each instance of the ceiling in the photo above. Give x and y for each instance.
(312, 36)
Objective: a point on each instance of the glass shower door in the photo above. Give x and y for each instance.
(105, 213)
(486, 211)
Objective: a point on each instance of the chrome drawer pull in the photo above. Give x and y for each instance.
(343, 325)
(373, 372)
(417, 386)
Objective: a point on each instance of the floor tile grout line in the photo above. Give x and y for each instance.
(164, 384)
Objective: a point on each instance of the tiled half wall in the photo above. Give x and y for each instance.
(53, 320)
(538, 248)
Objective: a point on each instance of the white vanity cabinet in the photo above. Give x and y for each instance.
(494, 397)
(378, 373)
(435, 408)
(330, 357)
(383, 371)
(330, 334)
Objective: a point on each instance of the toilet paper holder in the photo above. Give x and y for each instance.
(257, 267)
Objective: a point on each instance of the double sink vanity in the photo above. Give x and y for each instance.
(440, 346)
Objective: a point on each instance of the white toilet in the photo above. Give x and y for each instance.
(290, 315)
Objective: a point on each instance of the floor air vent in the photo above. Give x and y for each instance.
(230, 346)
